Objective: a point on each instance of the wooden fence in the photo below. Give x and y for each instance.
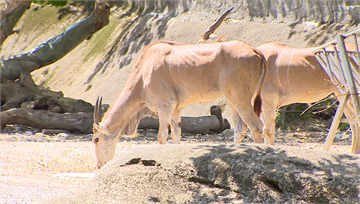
(341, 62)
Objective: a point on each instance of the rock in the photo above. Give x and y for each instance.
(53, 131)
(228, 132)
(39, 135)
(227, 173)
(341, 137)
(190, 137)
(62, 135)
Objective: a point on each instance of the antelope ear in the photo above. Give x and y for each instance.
(97, 111)
(221, 38)
(201, 40)
(97, 128)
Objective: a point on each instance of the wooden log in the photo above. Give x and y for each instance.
(25, 93)
(200, 124)
(196, 125)
(82, 122)
(41, 119)
(216, 110)
(25, 103)
(14, 93)
(70, 105)
(335, 123)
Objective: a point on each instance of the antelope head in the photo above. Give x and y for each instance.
(105, 143)
(209, 34)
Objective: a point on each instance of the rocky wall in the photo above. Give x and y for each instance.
(324, 11)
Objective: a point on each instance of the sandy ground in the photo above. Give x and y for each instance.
(30, 170)
(27, 169)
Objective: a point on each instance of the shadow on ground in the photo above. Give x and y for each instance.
(190, 173)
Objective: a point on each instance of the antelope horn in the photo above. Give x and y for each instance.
(212, 28)
(97, 111)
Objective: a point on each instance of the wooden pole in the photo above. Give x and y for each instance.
(348, 74)
(335, 123)
(352, 87)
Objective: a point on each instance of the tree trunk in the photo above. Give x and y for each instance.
(73, 122)
(82, 122)
(196, 125)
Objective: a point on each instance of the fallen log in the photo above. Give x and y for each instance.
(25, 93)
(41, 119)
(25, 103)
(14, 93)
(83, 122)
(197, 125)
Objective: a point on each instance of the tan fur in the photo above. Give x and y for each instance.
(169, 76)
(295, 76)
(212, 38)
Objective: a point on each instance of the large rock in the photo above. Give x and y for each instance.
(190, 173)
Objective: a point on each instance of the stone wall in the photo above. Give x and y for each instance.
(324, 11)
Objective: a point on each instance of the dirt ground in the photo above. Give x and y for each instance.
(35, 166)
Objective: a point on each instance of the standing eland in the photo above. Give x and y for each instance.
(169, 76)
(294, 76)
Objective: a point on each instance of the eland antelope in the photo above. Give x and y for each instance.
(294, 76)
(169, 76)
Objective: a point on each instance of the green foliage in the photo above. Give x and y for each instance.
(292, 116)
(278, 121)
(278, 118)
(54, 3)
(305, 115)
(343, 126)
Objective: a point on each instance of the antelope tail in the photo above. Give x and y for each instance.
(257, 101)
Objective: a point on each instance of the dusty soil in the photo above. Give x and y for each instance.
(30, 163)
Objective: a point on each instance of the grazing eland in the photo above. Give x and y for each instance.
(169, 76)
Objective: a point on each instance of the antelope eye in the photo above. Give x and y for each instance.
(96, 140)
